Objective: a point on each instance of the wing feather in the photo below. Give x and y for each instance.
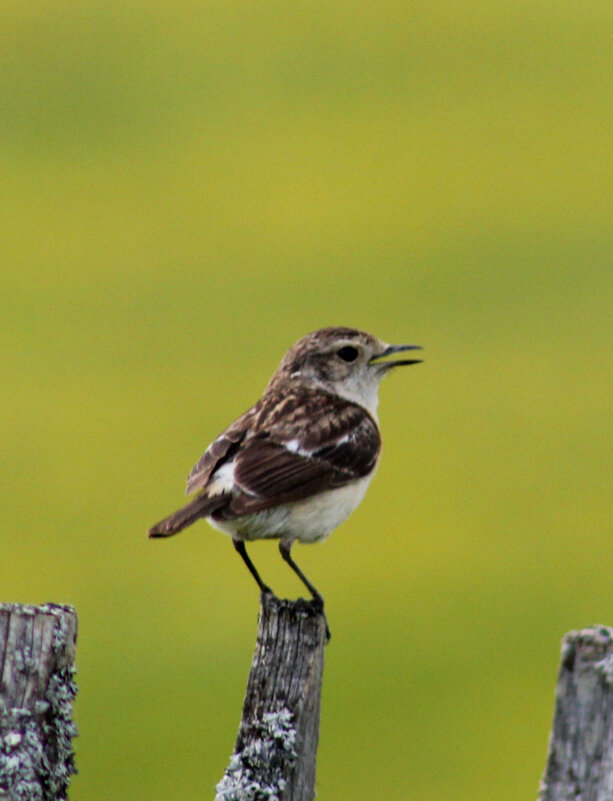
(267, 473)
(287, 448)
(219, 451)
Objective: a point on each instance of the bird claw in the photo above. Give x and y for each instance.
(317, 605)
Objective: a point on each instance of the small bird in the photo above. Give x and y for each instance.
(298, 462)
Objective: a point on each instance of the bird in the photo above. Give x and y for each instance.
(297, 463)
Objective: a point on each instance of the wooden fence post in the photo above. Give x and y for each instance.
(275, 752)
(580, 762)
(37, 646)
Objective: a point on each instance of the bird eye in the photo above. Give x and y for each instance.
(348, 354)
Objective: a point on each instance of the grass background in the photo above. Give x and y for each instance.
(187, 189)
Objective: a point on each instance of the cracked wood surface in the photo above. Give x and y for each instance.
(580, 761)
(276, 746)
(37, 647)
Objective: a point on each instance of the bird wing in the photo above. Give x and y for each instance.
(219, 451)
(305, 455)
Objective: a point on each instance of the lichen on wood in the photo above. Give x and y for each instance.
(276, 747)
(37, 646)
(580, 761)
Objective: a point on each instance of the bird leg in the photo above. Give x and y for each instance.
(284, 548)
(318, 601)
(240, 547)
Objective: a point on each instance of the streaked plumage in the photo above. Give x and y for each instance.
(297, 463)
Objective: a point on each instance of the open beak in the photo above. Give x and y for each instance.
(376, 360)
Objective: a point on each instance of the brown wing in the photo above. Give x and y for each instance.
(219, 451)
(340, 446)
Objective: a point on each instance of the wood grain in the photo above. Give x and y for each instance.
(37, 647)
(276, 748)
(580, 761)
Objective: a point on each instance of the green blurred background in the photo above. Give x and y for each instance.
(190, 187)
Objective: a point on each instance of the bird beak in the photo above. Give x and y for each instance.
(389, 350)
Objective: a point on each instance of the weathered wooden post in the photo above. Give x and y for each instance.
(580, 762)
(276, 747)
(275, 752)
(37, 646)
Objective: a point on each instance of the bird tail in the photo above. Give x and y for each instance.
(199, 507)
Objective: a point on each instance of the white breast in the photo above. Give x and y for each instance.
(315, 518)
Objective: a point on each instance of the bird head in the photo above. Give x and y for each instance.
(345, 361)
